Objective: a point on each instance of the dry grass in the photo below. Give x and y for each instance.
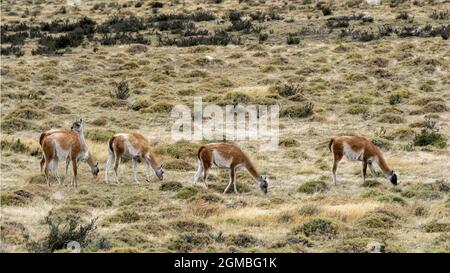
(355, 87)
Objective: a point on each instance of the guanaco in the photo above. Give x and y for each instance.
(62, 144)
(357, 148)
(226, 156)
(133, 146)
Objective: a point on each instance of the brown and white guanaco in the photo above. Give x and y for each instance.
(70, 146)
(226, 156)
(133, 146)
(357, 148)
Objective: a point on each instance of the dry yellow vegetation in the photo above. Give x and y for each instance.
(378, 71)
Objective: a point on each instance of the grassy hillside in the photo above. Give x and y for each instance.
(378, 71)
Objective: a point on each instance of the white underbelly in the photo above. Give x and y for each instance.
(353, 155)
(60, 153)
(220, 161)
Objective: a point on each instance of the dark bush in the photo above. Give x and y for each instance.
(85, 23)
(241, 25)
(15, 146)
(430, 137)
(292, 39)
(122, 91)
(156, 5)
(402, 16)
(12, 50)
(287, 89)
(234, 15)
(439, 15)
(123, 38)
(122, 24)
(326, 9)
(51, 45)
(219, 37)
(197, 16)
(17, 38)
(298, 111)
(61, 232)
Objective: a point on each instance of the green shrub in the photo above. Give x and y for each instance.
(377, 220)
(391, 118)
(357, 109)
(298, 111)
(99, 135)
(122, 91)
(286, 90)
(436, 227)
(159, 107)
(353, 245)
(188, 241)
(308, 210)
(392, 199)
(170, 186)
(289, 142)
(61, 232)
(186, 193)
(17, 198)
(178, 164)
(319, 227)
(237, 98)
(191, 226)
(210, 198)
(241, 240)
(182, 149)
(430, 137)
(311, 187)
(125, 217)
(14, 146)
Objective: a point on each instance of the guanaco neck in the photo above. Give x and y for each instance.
(383, 165)
(152, 161)
(90, 160)
(82, 141)
(251, 169)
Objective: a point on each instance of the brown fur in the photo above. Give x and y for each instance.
(67, 140)
(223, 155)
(140, 145)
(369, 153)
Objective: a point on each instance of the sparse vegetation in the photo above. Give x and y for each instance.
(333, 68)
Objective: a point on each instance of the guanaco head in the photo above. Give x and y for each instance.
(393, 177)
(263, 185)
(160, 172)
(77, 126)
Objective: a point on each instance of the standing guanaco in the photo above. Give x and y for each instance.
(70, 146)
(226, 156)
(357, 148)
(135, 147)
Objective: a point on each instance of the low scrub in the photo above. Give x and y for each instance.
(319, 228)
(311, 187)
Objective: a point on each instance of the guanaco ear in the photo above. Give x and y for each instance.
(96, 164)
(162, 164)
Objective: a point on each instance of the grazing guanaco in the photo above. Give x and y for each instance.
(133, 146)
(62, 144)
(226, 156)
(357, 148)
